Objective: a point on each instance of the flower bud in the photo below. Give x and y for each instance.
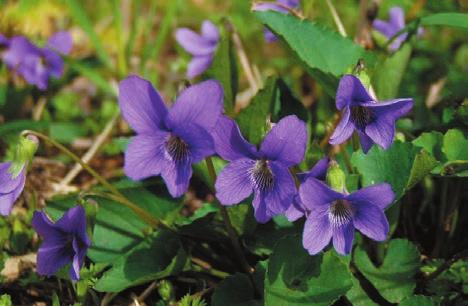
(25, 150)
(336, 178)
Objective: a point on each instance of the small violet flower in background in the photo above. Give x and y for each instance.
(65, 241)
(264, 172)
(318, 171)
(374, 121)
(278, 6)
(334, 215)
(11, 186)
(168, 142)
(36, 65)
(201, 46)
(395, 23)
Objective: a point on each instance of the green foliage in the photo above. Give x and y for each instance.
(236, 290)
(157, 256)
(318, 47)
(388, 75)
(450, 150)
(189, 300)
(394, 279)
(293, 277)
(402, 165)
(224, 69)
(418, 300)
(446, 19)
(254, 120)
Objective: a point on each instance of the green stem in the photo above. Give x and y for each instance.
(117, 195)
(227, 222)
(202, 266)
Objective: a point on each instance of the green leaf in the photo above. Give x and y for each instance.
(418, 300)
(17, 126)
(432, 143)
(77, 12)
(446, 19)
(455, 145)
(394, 279)
(357, 296)
(253, 120)
(315, 45)
(242, 218)
(224, 69)
(423, 164)
(295, 278)
(118, 229)
(449, 149)
(402, 165)
(159, 255)
(236, 290)
(389, 74)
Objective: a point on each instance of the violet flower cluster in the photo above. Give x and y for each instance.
(35, 64)
(168, 142)
(202, 47)
(282, 6)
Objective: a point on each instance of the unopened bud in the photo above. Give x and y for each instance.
(336, 178)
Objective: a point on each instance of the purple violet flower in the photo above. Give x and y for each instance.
(278, 6)
(10, 187)
(201, 46)
(395, 24)
(374, 121)
(334, 215)
(65, 241)
(264, 172)
(168, 142)
(36, 65)
(318, 171)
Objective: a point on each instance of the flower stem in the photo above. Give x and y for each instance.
(337, 19)
(117, 195)
(227, 222)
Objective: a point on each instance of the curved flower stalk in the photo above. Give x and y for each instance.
(318, 171)
(168, 142)
(65, 241)
(201, 46)
(11, 187)
(374, 121)
(37, 65)
(263, 172)
(281, 6)
(395, 24)
(334, 215)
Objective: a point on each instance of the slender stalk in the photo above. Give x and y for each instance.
(337, 19)
(255, 83)
(117, 195)
(227, 222)
(203, 266)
